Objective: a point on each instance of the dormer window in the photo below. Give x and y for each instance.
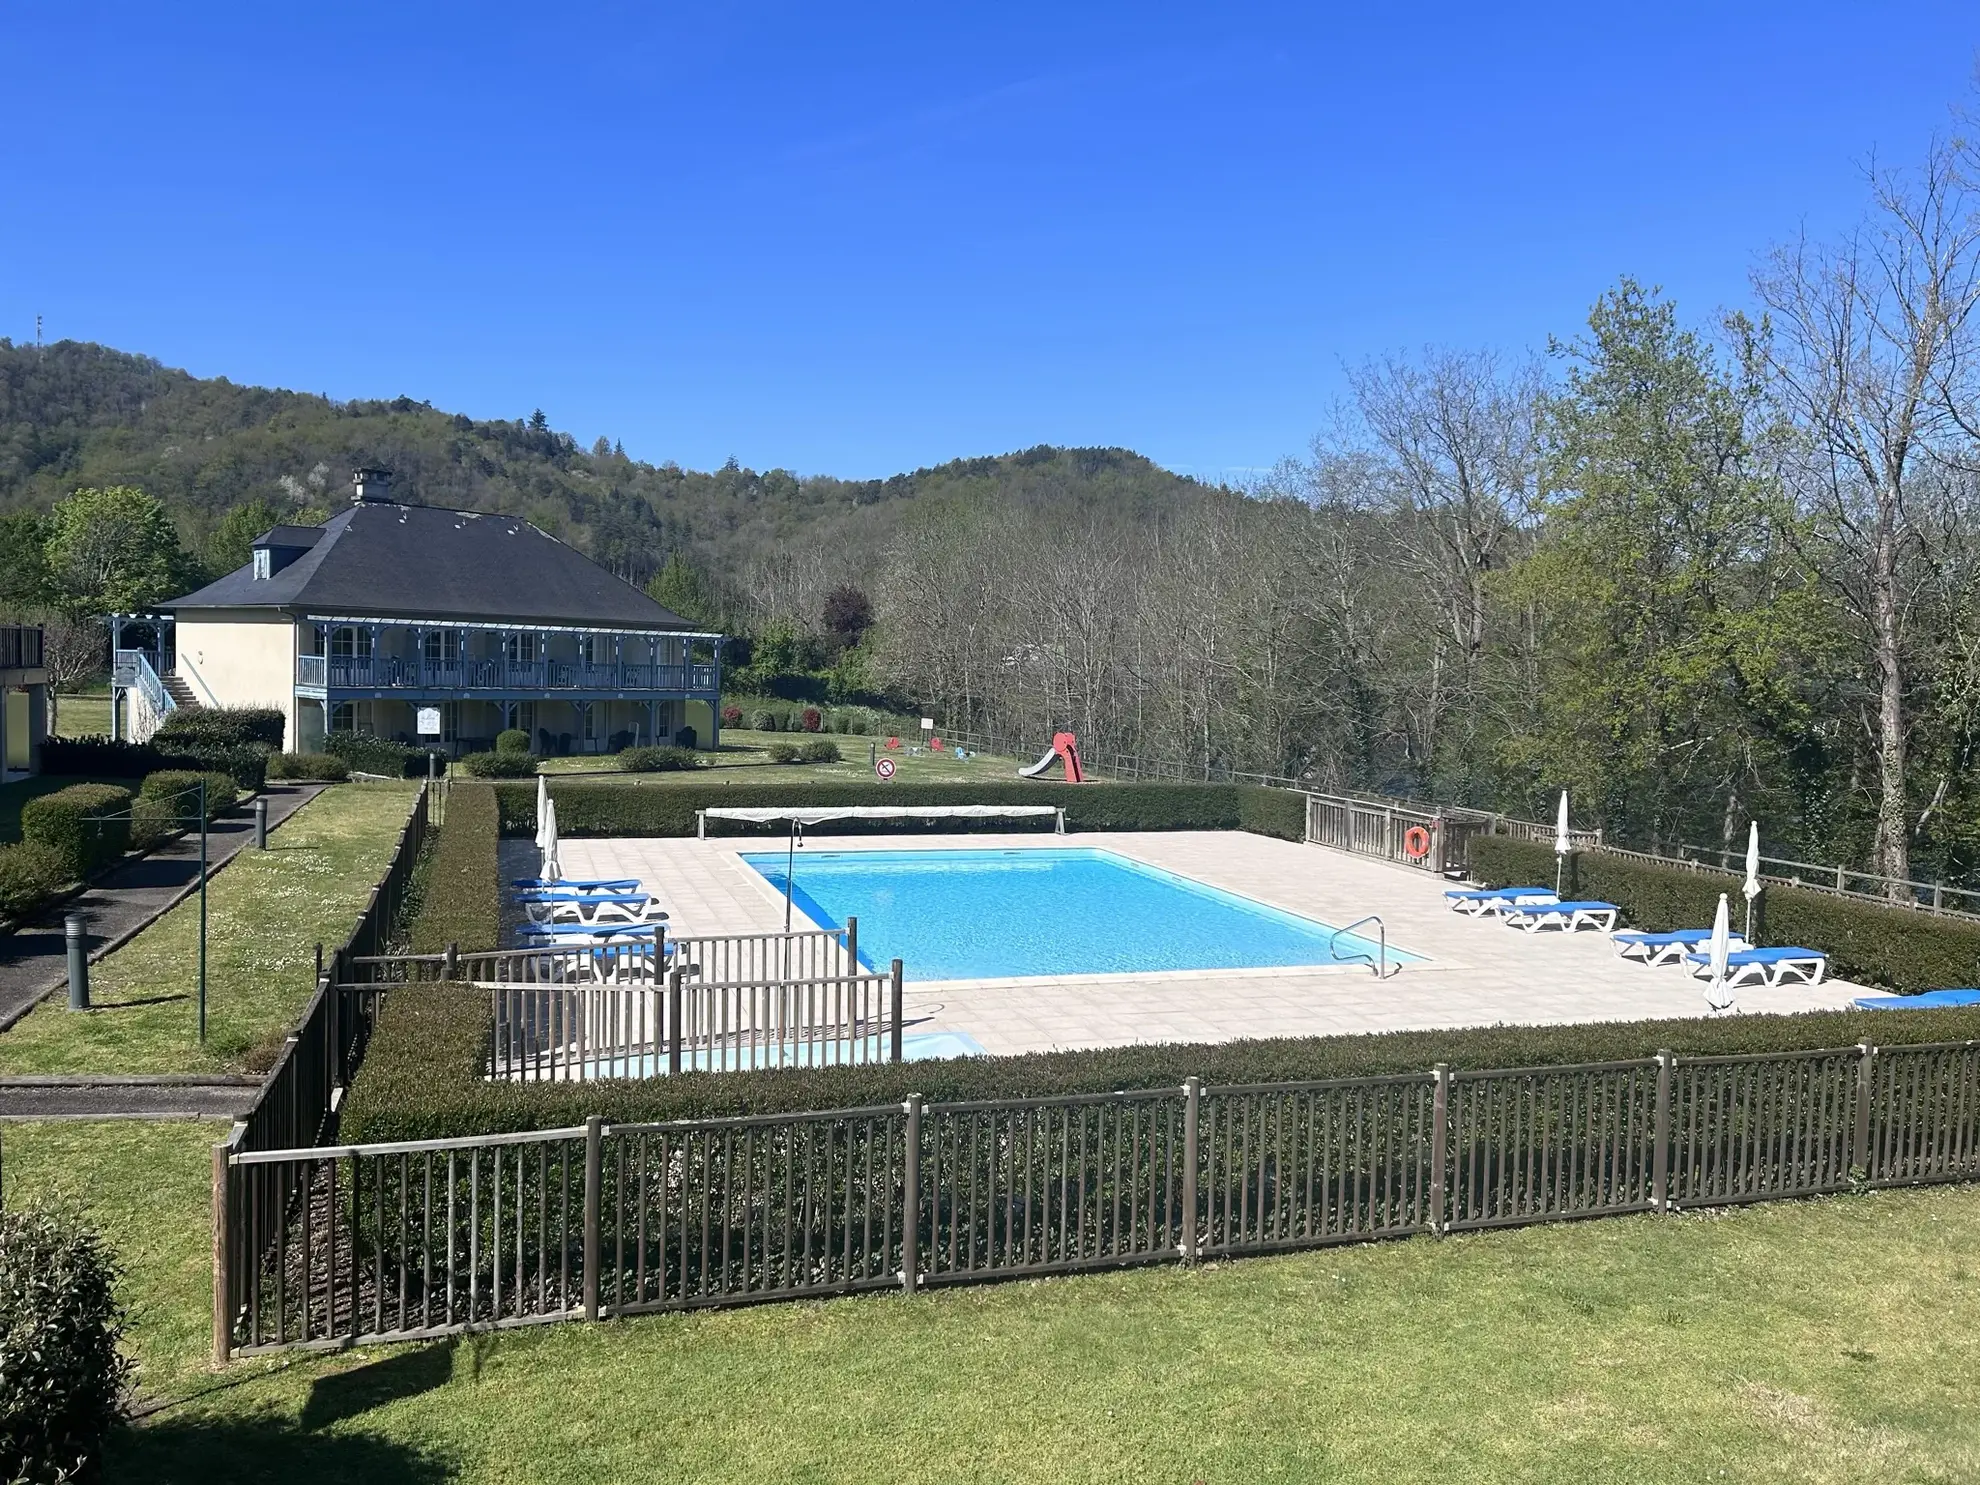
(263, 567)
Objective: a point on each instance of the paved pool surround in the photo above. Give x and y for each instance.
(1477, 972)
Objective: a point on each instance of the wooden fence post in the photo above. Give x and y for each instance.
(1660, 1136)
(911, 1198)
(1192, 1112)
(894, 1004)
(852, 945)
(674, 1022)
(223, 1300)
(1865, 1085)
(1440, 1126)
(594, 1164)
(451, 968)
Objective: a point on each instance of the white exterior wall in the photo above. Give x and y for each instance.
(247, 658)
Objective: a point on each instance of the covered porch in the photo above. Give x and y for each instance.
(557, 727)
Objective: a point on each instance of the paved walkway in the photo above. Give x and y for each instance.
(34, 959)
(114, 1096)
(1474, 972)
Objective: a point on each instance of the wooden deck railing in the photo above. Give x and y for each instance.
(356, 1244)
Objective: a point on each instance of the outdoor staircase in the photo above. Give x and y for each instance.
(181, 694)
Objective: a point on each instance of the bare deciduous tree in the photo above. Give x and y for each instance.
(1870, 342)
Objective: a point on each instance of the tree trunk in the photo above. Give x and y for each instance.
(1893, 838)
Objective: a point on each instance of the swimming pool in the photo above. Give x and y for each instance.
(968, 915)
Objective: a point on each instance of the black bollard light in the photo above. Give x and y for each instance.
(75, 929)
(260, 823)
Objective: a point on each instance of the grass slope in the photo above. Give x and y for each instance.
(1733, 1345)
(267, 911)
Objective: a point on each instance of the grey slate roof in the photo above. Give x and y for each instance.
(413, 561)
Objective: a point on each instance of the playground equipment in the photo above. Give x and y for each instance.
(1065, 748)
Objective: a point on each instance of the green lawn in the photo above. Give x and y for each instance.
(82, 716)
(1814, 1341)
(747, 751)
(267, 911)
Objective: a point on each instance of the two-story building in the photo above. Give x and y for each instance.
(388, 614)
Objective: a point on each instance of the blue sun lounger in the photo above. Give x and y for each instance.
(1482, 902)
(536, 934)
(1569, 916)
(574, 884)
(1768, 966)
(1923, 1001)
(1667, 948)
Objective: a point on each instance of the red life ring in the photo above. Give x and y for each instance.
(1416, 842)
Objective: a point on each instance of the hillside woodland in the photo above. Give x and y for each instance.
(1694, 571)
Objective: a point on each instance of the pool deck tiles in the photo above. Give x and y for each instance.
(1477, 972)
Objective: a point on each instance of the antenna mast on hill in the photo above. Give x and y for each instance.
(37, 332)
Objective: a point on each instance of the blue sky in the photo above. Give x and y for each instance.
(856, 240)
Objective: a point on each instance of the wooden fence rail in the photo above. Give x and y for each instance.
(349, 1245)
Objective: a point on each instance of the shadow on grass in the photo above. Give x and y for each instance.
(274, 1448)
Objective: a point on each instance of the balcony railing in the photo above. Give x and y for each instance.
(507, 677)
(20, 647)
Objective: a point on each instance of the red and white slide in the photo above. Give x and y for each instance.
(1065, 748)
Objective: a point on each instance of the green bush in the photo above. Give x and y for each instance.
(368, 754)
(424, 1076)
(512, 740)
(88, 824)
(625, 807)
(462, 901)
(179, 789)
(62, 1377)
(101, 757)
(500, 765)
(784, 752)
(820, 750)
(153, 822)
(30, 874)
(224, 727)
(764, 720)
(1902, 949)
(657, 760)
(326, 767)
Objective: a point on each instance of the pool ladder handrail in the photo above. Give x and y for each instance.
(1379, 965)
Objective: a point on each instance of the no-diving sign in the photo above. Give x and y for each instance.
(885, 768)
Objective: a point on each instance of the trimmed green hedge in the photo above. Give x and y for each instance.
(87, 824)
(1903, 949)
(424, 1076)
(368, 754)
(463, 893)
(630, 807)
(30, 874)
(500, 765)
(308, 766)
(657, 760)
(223, 727)
(178, 788)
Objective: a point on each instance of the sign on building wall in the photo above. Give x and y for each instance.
(429, 721)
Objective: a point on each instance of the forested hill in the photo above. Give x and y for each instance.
(75, 414)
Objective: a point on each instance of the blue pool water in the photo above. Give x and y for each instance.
(965, 915)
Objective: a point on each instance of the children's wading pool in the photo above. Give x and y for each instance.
(970, 915)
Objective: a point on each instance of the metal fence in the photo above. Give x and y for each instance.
(337, 1246)
(573, 1033)
(302, 1090)
(732, 958)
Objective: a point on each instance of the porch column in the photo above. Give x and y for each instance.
(419, 656)
(652, 724)
(37, 725)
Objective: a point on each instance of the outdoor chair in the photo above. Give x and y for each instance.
(593, 910)
(1767, 966)
(527, 886)
(1483, 902)
(1667, 948)
(1925, 1000)
(1570, 917)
